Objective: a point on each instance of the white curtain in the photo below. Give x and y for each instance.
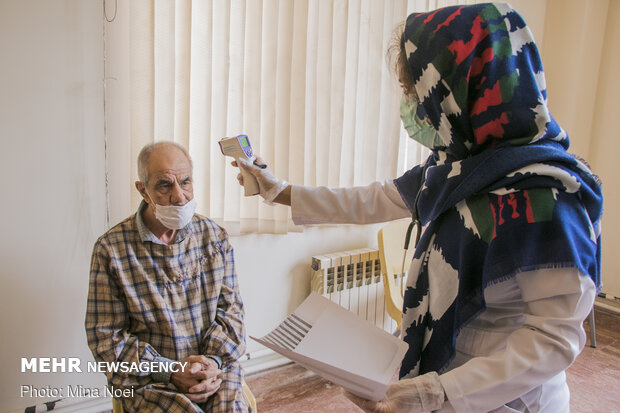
(306, 80)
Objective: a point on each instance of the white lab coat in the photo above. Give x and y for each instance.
(514, 354)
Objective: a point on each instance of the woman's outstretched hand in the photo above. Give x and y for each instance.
(419, 394)
(270, 186)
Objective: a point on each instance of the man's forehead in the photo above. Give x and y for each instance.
(168, 161)
(167, 175)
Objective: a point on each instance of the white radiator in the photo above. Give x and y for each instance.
(352, 279)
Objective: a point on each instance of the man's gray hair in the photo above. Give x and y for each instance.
(145, 154)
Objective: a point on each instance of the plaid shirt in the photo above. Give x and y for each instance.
(150, 302)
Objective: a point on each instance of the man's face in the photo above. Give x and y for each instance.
(170, 178)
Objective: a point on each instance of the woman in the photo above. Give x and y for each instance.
(506, 266)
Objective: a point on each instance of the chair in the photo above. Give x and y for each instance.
(591, 321)
(249, 395)
(117, 406)
(391, 252)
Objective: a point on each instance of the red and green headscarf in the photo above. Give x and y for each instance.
(479, 77)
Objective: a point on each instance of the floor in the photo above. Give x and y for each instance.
(594, 380)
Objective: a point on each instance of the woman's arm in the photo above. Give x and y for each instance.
(377, 202)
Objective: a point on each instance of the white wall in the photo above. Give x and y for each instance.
(605, 147)
(581, 57)
(574, 33)
(52, 197)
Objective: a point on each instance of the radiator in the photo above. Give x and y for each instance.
(352, 279)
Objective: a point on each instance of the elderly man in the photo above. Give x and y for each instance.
(164, 300)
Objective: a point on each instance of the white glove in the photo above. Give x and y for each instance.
(269, 186)
(419, 394)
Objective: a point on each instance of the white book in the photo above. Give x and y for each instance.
(339, 346)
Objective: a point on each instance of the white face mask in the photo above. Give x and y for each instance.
(174, 216)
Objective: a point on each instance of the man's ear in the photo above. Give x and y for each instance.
(140, 187)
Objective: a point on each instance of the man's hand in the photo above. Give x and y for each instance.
(201, 391)
(199, 378)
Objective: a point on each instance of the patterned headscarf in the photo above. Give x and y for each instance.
(500, 188)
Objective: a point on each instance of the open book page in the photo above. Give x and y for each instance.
(339, 346)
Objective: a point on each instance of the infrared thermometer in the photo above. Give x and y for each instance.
(239, 147)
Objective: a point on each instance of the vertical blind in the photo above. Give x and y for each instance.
(306, 80)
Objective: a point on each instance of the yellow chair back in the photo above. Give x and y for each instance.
(391, 252)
